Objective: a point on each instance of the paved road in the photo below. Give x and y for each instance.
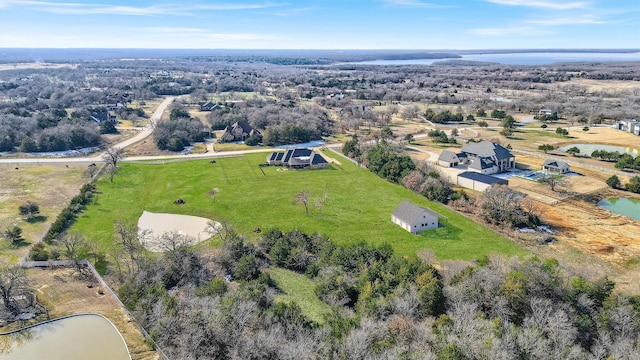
(146, 131)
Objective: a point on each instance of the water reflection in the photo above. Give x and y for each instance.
(87, 336)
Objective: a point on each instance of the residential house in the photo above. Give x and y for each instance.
(102, 116)
(629, 125)
(483, 157)
(239, 131)
(297, 158)
(414, 218)
(477, 181)
(209, 106)
(547, 112)
(555, 166)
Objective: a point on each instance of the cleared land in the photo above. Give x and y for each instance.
(49, 186)
(358, 205)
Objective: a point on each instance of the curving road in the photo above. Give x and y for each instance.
(146, 131)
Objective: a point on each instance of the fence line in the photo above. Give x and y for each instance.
(96, 275)
(572, 162)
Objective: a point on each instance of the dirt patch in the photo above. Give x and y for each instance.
(64, 292)
(152, 226)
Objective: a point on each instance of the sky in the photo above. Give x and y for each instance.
(321, 24)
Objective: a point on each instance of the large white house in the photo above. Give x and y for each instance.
(483, 157)
(629, 125)
(414, 218)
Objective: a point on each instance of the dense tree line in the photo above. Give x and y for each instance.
(280, 123)
(179, 131)
(383, 306)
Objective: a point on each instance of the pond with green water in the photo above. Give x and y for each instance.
(622, 206)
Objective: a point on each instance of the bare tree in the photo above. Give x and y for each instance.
(174, 240)
(13, 281)
(303, 198)
(73, 244)
(127, 239)
(553, 180)
(112, 156)
(319, 204)
(111, 171)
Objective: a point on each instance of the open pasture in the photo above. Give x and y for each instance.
(357, 207)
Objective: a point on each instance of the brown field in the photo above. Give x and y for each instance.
(598, 85)
(50, 186)
(64, 292)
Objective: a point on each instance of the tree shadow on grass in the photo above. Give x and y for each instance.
(20, 244)
(445, 231)
(37, 219)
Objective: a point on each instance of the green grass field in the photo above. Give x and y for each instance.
(358, 205)
(301, 290)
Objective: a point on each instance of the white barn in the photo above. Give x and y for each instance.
(414, 218)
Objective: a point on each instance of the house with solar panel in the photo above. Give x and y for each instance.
(297, 158)
(414, 218)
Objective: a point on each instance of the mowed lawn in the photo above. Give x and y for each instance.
(358, 204)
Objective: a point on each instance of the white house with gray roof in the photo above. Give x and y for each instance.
(484, 157)
(555, 166)
(414, 218)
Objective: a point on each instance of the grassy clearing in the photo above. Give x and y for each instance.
(301, 290)
(358, 206)
(49, 186)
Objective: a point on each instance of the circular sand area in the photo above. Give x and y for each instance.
(192, 229)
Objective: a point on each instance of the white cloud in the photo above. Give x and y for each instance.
(413, 4)
(509, 31)
(71, 8)
(555, 5)
(584, 20)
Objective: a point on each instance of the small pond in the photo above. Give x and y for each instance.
(587, 149)
(622, 206)
(87, 336)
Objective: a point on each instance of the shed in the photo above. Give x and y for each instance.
(414, 218)
(555, 166)
(479, 182)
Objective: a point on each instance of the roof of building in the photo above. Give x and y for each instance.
(448, 156)
(485, 179)
(487, 149)
(555, 164)
(318, 159)
(409, 212)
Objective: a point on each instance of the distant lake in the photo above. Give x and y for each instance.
(623, 206)
(519, 58)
